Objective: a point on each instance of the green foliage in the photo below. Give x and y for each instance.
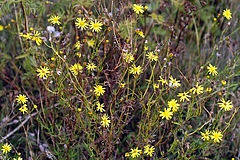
(127, 28)
(158, 18)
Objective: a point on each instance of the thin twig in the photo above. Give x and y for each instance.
(18, 127)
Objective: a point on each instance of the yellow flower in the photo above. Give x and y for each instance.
(6, 148)
(100, 107)
(167, 114)
(128, 57)
(127, 154)
(81, 23)
(226, 105)
(77, 45)
(149, 150)
(99, 90)
(140, 32)
(36, 37)
(135, 152)
(155, 86)
(23, 109)
(227, 14)
(76, 68)
(212, 70)
(216, 136)
(105, 122)
(78, 54)
(145, 8)
(173, 105)
(152, 56)
(96, 26)
(1, 27)
(36, 33)
(43, 72)
(162, 81)
(22, 99)
(223, 82)
(174, 83)
(197, 89)
(91, 42)
(122, 85)
(91, 66)
(54, 20)
(206, 135)
(138, 8)
(19, 158)
(183, 96)
(26, 35)
(145, 48)
(209, 89)
(37, 40)
(135, 70)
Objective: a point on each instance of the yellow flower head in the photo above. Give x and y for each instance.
(81, 23)
(212, 70)
(183, 96)
(36, 37)
(152, 56)
(209, 89)
(77, 45)
(54, 20)
(226, 105)
(145, 8)
(100, 107)
(6, 148)
(167, 113)
(155, 86)
(19, 158)
(128, 57)
(105, 122)
(135, 70)
(145, 48)
(227, 14)
(197, 89)
(173, 104)
(206, 135)
(140, 32)
(22, 99)
(91, 66)
(99, 90)
(96, 26)
(23, 109)
(162, 80)
(76, 68)
(149, 150)
(138, 8)
(43, 72)
(216, 136)
(223, 82)
(174, 83)
(122, 85)
(26, 35)
(135, 152)
(127, 154)
(91, 42)
(1, 27)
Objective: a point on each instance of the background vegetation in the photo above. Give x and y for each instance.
(69, 117)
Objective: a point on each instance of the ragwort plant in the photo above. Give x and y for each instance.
(119, 80)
